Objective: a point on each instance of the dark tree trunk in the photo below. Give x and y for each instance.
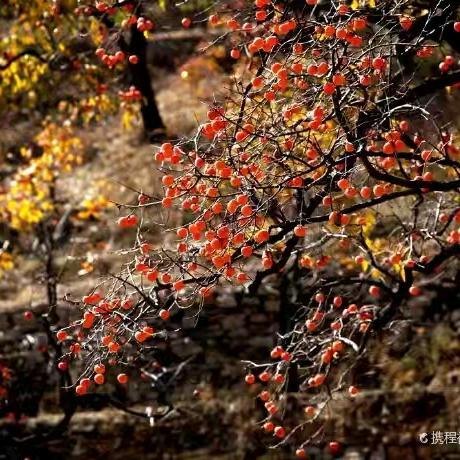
(140, 78)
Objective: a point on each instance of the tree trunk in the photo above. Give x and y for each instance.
(140, 78)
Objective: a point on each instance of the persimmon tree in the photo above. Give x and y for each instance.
(327, 172)
(326, 167)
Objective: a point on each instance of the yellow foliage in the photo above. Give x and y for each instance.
(94, 108)
(129, 117)
(25, 75)
(28, 197)
(399, 269)
(6, 261)
(356, 4)
(373, 244)
(92, 207)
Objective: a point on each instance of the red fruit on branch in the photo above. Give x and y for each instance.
(250, 379)
(122, 378)
(335, 447)
(186, 23)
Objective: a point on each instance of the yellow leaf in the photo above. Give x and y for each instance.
(127, 120)
(365, 265)
(402, 271)
(376, 274)
(355, 4)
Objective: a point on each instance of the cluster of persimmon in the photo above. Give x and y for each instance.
(283, 142)
(335, 316)
(111, 60)
(103, 8)
(142, 23)
(105, 317)
(84, 384)
(448, 64)
(131, 95)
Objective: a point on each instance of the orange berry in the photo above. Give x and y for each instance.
(166, 202)
(99, 369)
(320, 297)
(329, 88)
(339, 80)
(250, 379)
(164, 314)
(186, 22)
(300, 231)
(61, 336)
(235, 54)
(337, 346)
(114, 347)
(182, 232)
(269, 427)
(140, 336)
(127, 221)
(166, 278)
(80, 390)
(178, 285)
(353, 391)
(246, 210)
(167, 180)
(406, 22)
(265, 376)
(319, 379)
(261, 236)
(365, 192)
(264, 396)
(301, 453)
(374, 291)
(334, 447)
(343, 184)
(213, 19)
(379, 190)
(337, 301)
